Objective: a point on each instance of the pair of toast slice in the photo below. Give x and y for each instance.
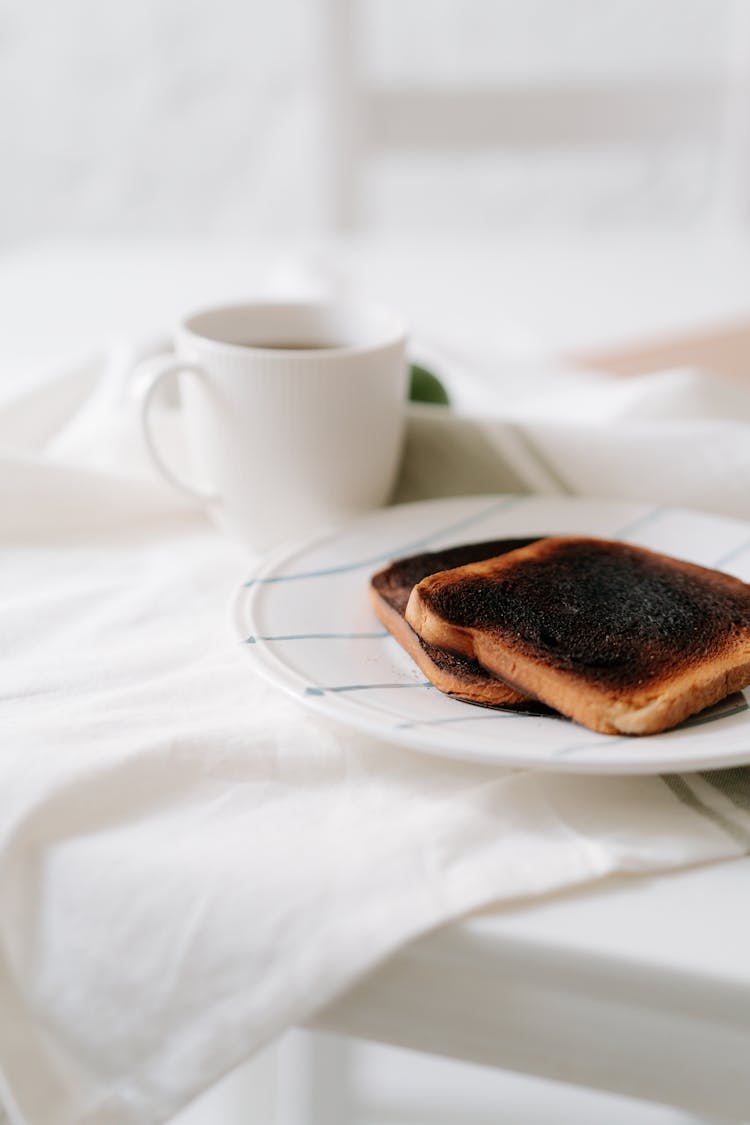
(618, 638)
(451, 672)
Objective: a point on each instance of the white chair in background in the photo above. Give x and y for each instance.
(362, 121)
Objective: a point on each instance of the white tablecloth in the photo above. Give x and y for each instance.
(190, 861)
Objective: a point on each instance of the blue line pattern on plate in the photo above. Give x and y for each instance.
(699, 719)
(411, 723)
(573, 748)
(735, 553)
(392, 552)
(642, 521)
(319, 690)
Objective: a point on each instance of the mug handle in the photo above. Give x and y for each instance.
(149, 378)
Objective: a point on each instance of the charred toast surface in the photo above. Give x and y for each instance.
(452, 673)
(622, 639)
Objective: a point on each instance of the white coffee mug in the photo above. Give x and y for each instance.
(294, 413)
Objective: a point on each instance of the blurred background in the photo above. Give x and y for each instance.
(180, 118)
(587, 163)
(163, 154)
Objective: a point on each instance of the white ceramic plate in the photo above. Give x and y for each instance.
(307, 625)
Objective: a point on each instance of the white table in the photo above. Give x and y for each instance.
(640, 987)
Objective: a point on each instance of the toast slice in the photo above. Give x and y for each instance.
(621, 639)
(451, 673)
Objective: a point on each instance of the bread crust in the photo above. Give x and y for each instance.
(668, 669)
(454, 677)
(457, 676)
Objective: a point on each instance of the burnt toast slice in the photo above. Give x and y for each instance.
(451, 673)
(621, 639)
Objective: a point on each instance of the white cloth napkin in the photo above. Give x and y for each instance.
(191, 861)
(679, 437)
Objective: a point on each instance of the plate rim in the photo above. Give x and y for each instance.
(276, 671)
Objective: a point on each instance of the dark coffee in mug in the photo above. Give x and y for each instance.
(290, 345)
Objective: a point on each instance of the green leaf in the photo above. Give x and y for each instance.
(426, 387)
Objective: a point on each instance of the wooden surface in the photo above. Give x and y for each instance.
(724, 350)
